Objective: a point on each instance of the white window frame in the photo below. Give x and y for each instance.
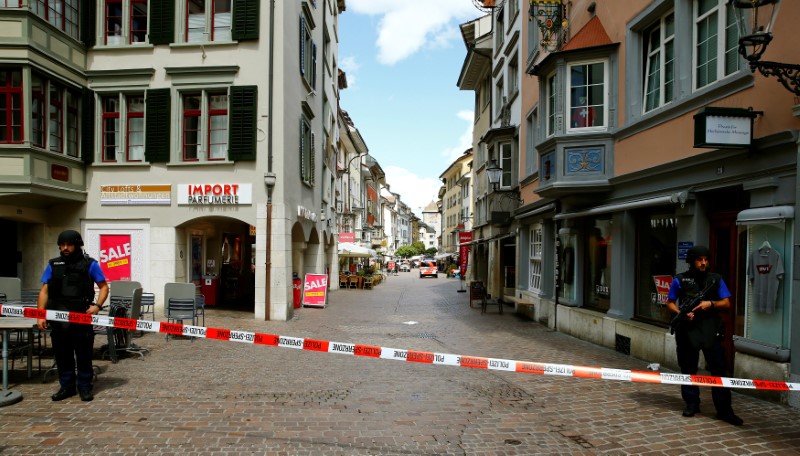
(535, 253)
(606, 96)
(513, 76)
(659, 53)
(505, 159)
(722, 54)
(552, 110)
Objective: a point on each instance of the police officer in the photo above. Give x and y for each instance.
(701, 330)
(68, 285)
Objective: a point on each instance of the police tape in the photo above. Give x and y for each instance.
(412, 356)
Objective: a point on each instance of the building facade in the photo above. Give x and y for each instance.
(188, 142)
(627, 159)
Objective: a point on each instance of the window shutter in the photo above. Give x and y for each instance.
(157, 125)
(87, 126)
(87, 23)
(162, 22)
(313, 65)
(312, 173)
(242, 123)
(302, 155)
(245, 19)
(302, 45)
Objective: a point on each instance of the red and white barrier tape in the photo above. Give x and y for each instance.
(412, 356)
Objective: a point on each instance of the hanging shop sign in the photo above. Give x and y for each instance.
(215, 194)
(135, 194)
(723, 127)
(347, 236)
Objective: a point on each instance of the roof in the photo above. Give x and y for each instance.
(592, 34)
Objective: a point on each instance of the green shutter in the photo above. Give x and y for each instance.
(242, 123)
(313, 65)
(162, 22)
(302, 155)
(245, 19)
(157, 125)
(87, 23)
(302, 45)
(87, 126)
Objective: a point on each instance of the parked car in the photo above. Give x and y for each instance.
(404, 267)
(428, 269)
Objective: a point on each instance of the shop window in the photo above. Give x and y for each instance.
(598, 264)
(657, 238)
(567, 266)
(767, 297)
(535, 254)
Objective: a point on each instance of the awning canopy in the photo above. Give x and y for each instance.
(442, 256)
(348, 249)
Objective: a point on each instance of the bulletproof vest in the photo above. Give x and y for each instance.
(702, 331)
(70, 286)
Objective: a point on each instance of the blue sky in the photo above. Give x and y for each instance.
(402, 60)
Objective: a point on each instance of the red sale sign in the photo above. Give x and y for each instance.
(115, 256)
(315, 289)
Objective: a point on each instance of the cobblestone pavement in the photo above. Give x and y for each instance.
(222, 398)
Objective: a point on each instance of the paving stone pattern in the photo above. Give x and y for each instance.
(222, 398)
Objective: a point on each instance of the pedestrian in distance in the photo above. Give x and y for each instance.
(68, 285)
(697, 297)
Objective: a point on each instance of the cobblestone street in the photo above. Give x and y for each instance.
(210, 397)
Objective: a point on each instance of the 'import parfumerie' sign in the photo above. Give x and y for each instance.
(215, 194)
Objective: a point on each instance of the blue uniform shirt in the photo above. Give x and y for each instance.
(675, 288)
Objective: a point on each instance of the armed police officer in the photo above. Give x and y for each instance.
(68, 285)
(699, 328)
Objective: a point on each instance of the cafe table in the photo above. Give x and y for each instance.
(7, 325)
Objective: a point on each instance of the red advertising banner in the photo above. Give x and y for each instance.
(348, 236)
(115, 256)
(464, 237)
(315, 289)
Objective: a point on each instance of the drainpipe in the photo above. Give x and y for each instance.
(269, 176)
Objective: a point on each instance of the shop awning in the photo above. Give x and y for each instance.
(348, 249)
(624, 206)
(774, 214)
(442, 256)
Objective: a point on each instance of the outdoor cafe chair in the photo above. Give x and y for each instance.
(182, 309)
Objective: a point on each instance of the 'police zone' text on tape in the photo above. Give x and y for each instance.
(372, 351)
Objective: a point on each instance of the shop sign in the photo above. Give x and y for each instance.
(315, 288)
(723, 127)
(215, 194)
(662, 282)
(59, 172)
(347, 236)
(683, 249)
(115, 256)
(464, 238)
(133, 194)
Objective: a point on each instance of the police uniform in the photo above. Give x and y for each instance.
(70, 284)
(702, 333)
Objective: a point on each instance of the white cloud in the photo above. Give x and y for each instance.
(415, 191)
(405, 27)
(464, 141)
(350, 66)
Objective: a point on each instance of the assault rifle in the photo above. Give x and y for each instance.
(686, 307)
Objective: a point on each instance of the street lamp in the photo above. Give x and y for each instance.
(755, 34)
(494, 172)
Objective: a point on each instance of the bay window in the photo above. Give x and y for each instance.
(587, 95)
(10, 106)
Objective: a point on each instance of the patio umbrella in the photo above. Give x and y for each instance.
(348, 249)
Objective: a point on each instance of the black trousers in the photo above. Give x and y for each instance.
(73, 347)
(688, 359)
